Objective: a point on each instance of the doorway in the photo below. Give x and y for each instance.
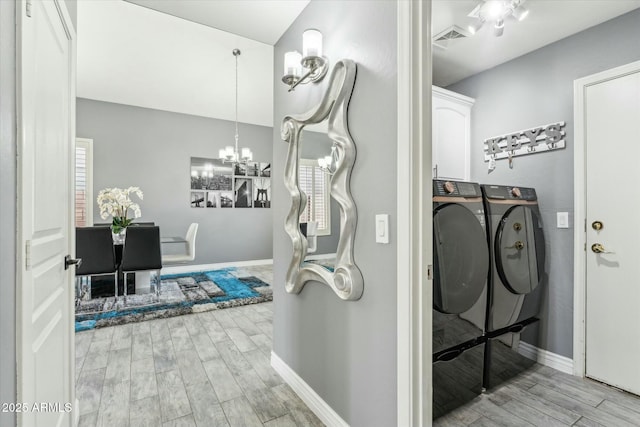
(606, 338)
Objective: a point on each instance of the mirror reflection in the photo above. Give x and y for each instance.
(320, 219)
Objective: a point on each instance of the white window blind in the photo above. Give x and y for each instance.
(83, 183)
(315, 185)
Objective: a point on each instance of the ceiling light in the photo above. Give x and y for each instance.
(494, 9)
(520, 13)
(475, 27)
(229, 153)
(498, 28)
(496, 12)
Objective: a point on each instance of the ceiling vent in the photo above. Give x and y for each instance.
(444, 38)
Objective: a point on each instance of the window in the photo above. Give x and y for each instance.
(84, 182)
(315, 184)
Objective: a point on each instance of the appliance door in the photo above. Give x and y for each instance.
(461, 259)
(520, 250)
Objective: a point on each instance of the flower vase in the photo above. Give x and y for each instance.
(119, 237)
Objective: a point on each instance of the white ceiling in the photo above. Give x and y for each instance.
(134, 55)
(155, 56)
(548, 21)
(262, 20)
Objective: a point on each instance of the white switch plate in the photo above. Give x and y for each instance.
(563, 219)
(382, 228)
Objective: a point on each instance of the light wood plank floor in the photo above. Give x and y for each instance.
(206, 369)
(212, 369)
(545, 397)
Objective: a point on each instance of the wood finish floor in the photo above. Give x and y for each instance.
(213, 369)
(206, 369)
(545, 397)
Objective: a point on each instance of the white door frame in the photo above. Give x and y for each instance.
(414, 220)
(579, 233)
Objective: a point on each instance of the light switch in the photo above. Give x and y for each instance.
(382, 228)
(563, 219)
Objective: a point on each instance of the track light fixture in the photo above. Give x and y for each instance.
(496, 12)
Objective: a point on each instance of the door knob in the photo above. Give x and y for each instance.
(597, 225)
(517, 245)
(599, 249)
(68, 262)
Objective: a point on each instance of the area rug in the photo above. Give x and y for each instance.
(179, 294)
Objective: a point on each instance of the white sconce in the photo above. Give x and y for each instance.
(311, 62)
(328, 163)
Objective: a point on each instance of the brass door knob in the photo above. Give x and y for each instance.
(597, 225)
(597, 248)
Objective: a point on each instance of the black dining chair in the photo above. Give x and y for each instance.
(94, 246)
(141, 252)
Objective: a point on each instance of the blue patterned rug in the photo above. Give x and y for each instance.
(179, 294)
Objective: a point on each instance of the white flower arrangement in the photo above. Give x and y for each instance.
(115, 202)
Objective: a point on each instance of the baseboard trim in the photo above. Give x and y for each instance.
(178, 269)
(319, 407)
(546, 358)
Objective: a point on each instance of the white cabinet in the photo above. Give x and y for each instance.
(451, 134)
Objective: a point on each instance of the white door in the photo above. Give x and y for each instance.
(612, 136)
(46, 121)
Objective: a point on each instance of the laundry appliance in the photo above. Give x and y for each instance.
(517, 281)
(461, 265)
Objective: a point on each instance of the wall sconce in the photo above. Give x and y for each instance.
(328, 163)
(311, 61)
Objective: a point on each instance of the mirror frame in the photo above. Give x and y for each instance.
(346, 279)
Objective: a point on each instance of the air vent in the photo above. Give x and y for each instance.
(446, 37)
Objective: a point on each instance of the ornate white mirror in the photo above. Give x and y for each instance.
(330, 141)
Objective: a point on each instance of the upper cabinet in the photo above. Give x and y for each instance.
(451, 134)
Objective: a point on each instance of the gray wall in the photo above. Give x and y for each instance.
(537, 89)
(151, 149)
(7, 208)
(346, 351)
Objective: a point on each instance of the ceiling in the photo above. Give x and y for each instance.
(261, 20)
(548, 21)
(180, 59)
(134, 55)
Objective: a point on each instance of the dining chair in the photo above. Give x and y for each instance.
(94, 246)
(141, 252)
(190, 253)
(310, 231)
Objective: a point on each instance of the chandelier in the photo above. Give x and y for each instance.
(495, 12)
(229, 153)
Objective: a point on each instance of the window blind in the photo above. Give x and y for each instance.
(314, 184)
(83, 190)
